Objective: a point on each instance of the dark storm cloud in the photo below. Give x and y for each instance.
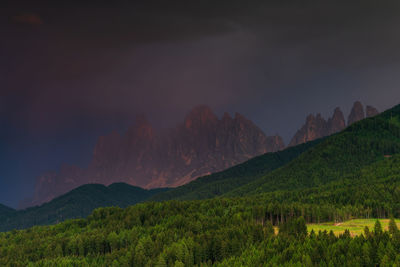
(92, 65)
(123, 56)
(32, 19)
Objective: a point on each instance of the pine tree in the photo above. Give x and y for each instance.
(393, 230)
(161, 261)
(367, 233)
(378, 228)
(179, 264)
(366, 254)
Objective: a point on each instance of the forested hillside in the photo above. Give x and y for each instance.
(221, 232)
(359, 145)
(352, 174)
(222, 182)
(323, 161)
(5, 211)
(78, 203)
(376, 186)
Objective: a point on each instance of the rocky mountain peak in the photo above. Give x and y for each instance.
(317, 127)
(337, 122)
(240, 117)
(356, 114)
(337, 113)
(243, 121)
(141, 128)
(314, 127)
(319, 117)
(202, 144)
(310, 118)
(371, 111)
(226, 117)
(199, 116)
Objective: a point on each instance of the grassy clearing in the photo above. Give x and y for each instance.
(355, 226)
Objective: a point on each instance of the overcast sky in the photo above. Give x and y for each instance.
(73, 70)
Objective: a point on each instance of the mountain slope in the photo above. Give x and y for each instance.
(5, 211)
(77, 203)
(376, 186)
(359, 145)
(145, 157)
(222, 182)
(327, 159)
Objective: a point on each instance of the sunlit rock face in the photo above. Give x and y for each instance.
(201, 145)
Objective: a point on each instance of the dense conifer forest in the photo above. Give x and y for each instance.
(78, 203)
(217, 184)
(221, 232)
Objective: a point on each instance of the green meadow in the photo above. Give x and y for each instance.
(356, 226)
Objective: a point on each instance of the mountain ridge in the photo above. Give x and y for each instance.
(316, 126)
(362, 143)
(201, 145)
(144, 157)
(372, 138)
(77, 203)
(217, 184)
(325, 161)
(5, 210)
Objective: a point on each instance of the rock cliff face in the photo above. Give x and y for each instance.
(317, 127)
(202, 144)
(337, 122)
(314, 128)
(356, 114)
(371, 111)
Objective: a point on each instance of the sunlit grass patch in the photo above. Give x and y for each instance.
(356, 226)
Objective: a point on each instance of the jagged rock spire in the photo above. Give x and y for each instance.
(356, 114)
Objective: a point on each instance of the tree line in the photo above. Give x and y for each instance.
(224, 232)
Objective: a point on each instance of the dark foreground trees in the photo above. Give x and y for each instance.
(224, 232)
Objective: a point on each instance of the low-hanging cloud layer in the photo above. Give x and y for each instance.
(73, 70)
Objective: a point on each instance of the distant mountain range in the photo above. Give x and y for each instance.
(78, 203)
(343, 154)
(359, 164)
(351, 174)
(316, 126)
(203, 144)
(364, 155)
(220, 183)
